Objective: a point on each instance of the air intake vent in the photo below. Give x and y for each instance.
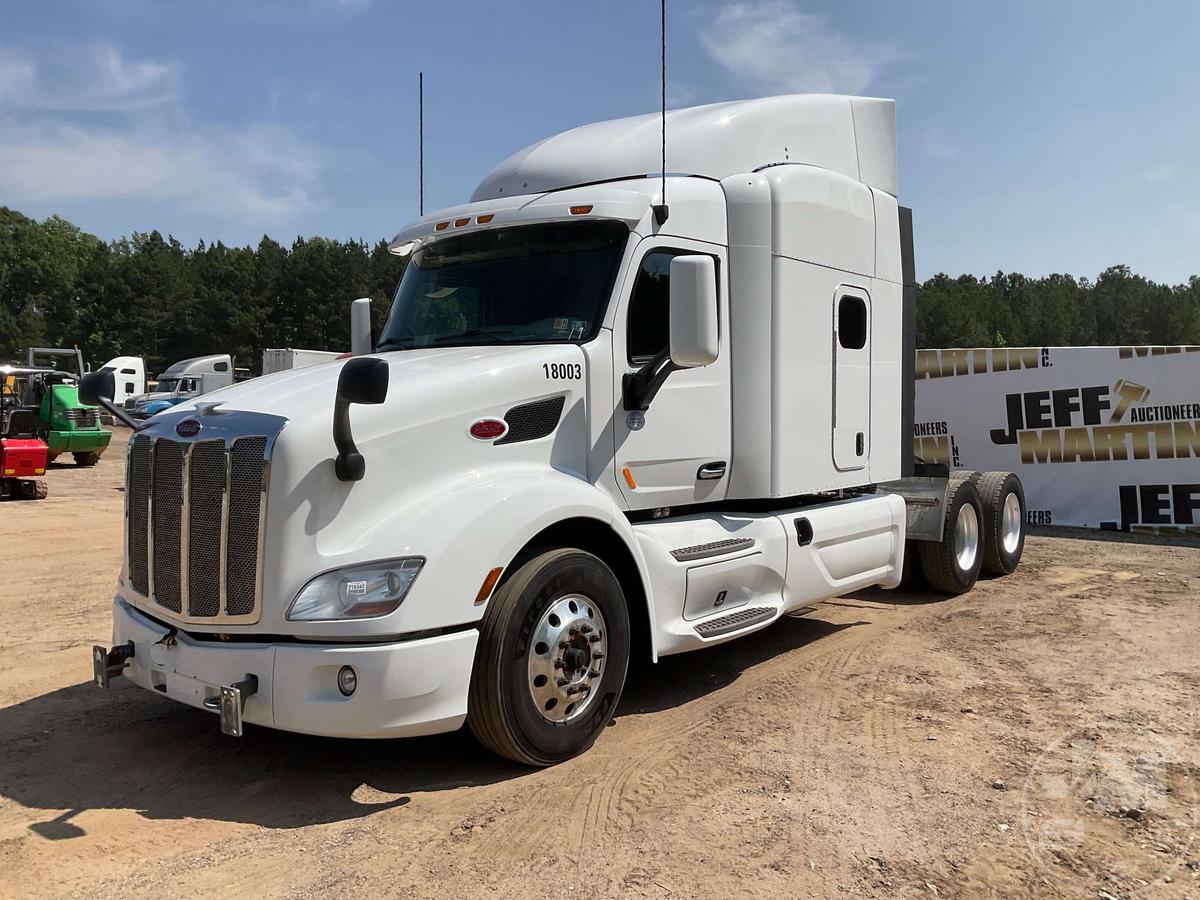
(531, 421)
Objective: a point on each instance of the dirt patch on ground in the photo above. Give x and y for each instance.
(1038, 736)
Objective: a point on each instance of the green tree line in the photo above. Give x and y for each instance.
(150, 296)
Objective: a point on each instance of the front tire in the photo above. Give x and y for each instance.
(86, 458)
(952, 565)
(541, 692)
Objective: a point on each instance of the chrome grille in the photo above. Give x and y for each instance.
(137, 505)
(245, 506)
(194, 518)
(167, 514)
(206, 499)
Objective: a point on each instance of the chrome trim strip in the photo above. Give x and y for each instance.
(150, 528)
(221, 598)
(262, 522)
(185, 527)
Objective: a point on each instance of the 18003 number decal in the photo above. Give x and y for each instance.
(572, 371)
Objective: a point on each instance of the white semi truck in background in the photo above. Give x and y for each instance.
(598, 422)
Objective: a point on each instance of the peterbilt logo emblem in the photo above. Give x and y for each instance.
(188, 428)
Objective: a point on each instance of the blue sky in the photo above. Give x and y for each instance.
(1034, 136)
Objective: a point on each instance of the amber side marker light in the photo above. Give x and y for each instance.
(629, 478)
(459, 223)
(581, 210)
(485, 589)
(483, 220)
(441, 226)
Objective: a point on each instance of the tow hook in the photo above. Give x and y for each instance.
(107, 663)
(233, 704)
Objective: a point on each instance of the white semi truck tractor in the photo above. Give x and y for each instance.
(599, 423)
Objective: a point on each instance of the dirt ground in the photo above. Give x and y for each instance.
(1036, 737)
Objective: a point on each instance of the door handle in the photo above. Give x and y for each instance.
(711, 471)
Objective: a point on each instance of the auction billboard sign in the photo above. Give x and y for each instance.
(1101, 437)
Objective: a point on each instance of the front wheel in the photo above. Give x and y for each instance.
(86, 458)
(551, 661)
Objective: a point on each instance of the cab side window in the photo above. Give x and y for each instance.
(648, 327)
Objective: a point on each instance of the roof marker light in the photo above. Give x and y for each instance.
(483, 220)
(459, 223)
(441, 226)
(581, 210)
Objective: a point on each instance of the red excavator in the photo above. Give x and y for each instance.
(22, 453)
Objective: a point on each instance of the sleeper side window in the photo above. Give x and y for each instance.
(852, 322)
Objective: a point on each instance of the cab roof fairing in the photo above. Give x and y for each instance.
(854, 136)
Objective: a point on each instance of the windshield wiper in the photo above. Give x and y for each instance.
(475, 332)
(392, 344)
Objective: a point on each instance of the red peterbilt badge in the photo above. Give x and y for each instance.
(489, 429)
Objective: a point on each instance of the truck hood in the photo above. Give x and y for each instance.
(418, 451)
(415, 378)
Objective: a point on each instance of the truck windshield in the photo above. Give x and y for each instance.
(167, 385)
(527, 284)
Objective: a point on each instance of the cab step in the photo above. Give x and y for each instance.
(714, 548)
(735, 621)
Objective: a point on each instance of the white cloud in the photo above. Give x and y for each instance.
(1162, 173)
(88, 124)
(939, 146)
(345, 5)
(91, 78)
(773, 46)
(252, 175)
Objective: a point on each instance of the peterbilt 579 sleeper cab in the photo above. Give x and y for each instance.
(595, 424)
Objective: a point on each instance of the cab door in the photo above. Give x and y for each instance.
(851, 378)
(677, 451)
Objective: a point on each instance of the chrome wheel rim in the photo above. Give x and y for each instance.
(966, 537)
(566, 658)
(1010, 524)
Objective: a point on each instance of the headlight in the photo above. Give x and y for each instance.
(356, 592)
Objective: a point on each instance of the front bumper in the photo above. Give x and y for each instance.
(405, 688)
(78, 441)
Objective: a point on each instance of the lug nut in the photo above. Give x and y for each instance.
(585, 628)
(597, 655)
(558, 664)
(562, 682)
(573, 630)
(594, 673)
(595, 638)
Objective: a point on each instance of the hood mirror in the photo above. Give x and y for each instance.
(362, 380)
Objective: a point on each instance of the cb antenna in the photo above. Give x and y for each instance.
(421, 142)
(661, 210)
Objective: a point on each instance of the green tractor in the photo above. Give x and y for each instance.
(64, 423)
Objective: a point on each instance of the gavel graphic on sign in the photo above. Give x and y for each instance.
(1127, 392)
